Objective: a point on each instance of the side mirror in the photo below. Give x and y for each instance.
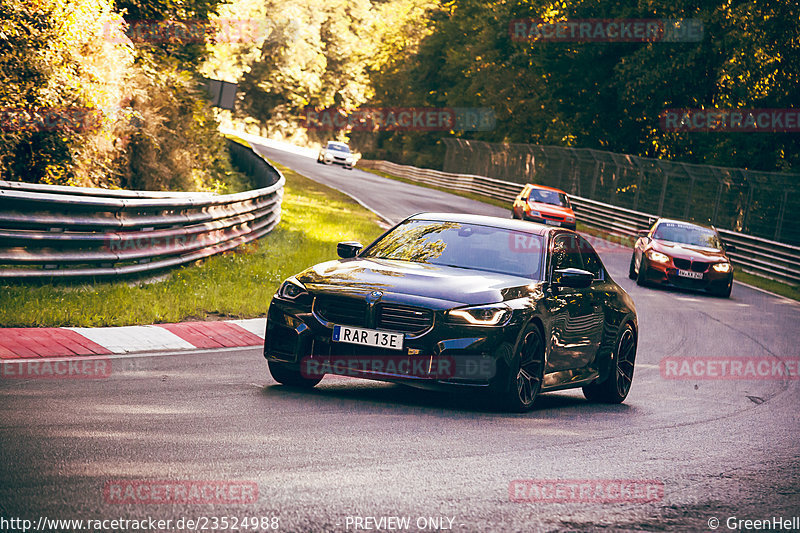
(348, 249)
(574, 278)
(643, 233)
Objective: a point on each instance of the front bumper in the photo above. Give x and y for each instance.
(443, 357)
(550, 222)
(666, 274)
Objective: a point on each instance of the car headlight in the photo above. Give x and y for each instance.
(658, 257)
(291, 289)
(570, 219)
(488, 315)
(722, 267)
(535, 214)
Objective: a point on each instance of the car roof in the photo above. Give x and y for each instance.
(676, 221)
(483, 220)
(545, 187)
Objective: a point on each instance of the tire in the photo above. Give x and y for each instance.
(724, 292)
(526, 372)
(632, 267)
(291, 377)
(514, 215)
(618, 383)
(641, 279)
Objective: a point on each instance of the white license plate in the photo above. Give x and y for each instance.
(552, 222)
(690, 274)
(368, 337)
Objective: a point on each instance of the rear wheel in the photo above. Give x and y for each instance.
(618, 383)
(525, 372)
(289, 376)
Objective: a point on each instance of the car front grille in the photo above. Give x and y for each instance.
(341, 310)
(350, 311)
(404, 318)
(683, 264)
(686, 264)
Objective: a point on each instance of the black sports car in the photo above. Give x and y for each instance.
(459, 302)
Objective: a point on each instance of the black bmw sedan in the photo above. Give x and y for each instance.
(463, 302)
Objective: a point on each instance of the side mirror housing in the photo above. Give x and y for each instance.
(643, 233)
(348, 249)
(574, 278)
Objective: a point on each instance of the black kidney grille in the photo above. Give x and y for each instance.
(683, 264)
(341, 310)
(699, 266)
(404, 318)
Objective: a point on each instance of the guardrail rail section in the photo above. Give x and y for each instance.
(757, 255)
(51, 231)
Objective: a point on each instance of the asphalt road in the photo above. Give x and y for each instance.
(353, 449)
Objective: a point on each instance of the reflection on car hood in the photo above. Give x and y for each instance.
(687, 251)
(550, 208)
(451, 285)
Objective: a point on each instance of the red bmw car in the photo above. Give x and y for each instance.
(683, 255)
(545, 205)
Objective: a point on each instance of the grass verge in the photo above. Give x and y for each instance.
(237, 284)
(777, 287)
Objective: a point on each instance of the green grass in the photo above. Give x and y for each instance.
(777, 287)
(237, 284)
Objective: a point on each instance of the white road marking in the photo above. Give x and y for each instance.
(125, 339)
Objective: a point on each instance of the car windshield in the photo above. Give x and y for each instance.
(462, 245)
(338, 147)
(687, 234)
(546, 196)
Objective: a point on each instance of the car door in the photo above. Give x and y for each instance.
(573, 333)
(597, 299)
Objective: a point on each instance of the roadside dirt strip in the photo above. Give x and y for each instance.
(31, 343)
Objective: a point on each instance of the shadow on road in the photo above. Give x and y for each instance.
(374, 397)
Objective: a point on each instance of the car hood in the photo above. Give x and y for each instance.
(436, 286)
(686, 251)
(552, 209)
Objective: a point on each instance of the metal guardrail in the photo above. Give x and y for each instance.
(756, 255)
(74, 232)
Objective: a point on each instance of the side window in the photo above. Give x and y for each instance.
(591, 260)
(565, 253)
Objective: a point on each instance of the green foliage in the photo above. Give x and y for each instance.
(608, 95)
(147, 123)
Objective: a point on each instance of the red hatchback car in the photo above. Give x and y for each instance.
(546, 205)
(683, 255)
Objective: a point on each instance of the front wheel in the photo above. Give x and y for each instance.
(641, 275)
(618, 383)
(724, 292)
(289, 376)
(632, 267)
(526, 372)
